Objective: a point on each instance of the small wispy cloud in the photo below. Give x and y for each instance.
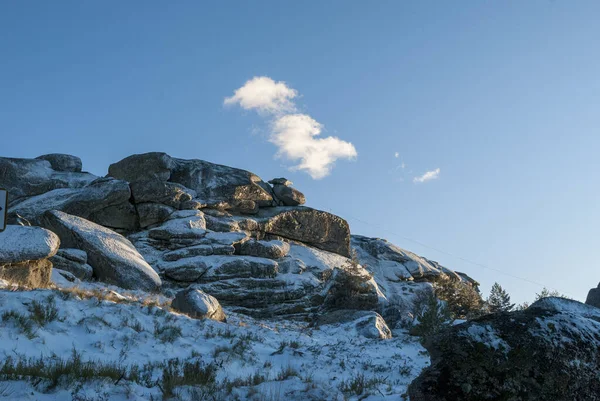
(397, 155)
(264, 95)
(296, 135)
(428, 176)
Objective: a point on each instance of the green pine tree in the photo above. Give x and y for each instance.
(499, 300)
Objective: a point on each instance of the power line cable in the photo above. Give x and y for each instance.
(453, 255)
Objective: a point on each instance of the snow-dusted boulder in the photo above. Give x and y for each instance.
(22, 243)
(96, 201)
(185, 224)
(24, 253)
(547, 352)
(366, 323)
(63, 162)
(287, 195)
(198, 304)
(24, 178)
(113, 258)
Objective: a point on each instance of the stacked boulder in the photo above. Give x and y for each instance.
(25, 253)
(288, 196)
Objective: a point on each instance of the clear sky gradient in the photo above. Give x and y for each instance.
(502, 96)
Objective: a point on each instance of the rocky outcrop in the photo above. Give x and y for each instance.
(222, 229)
(593, 297)
(199, 305)
(62, 162)
(24, 178)
(212, 184)
(24, 253)
(100, 200)
(546, 352)
(113, 258)
(400, 274)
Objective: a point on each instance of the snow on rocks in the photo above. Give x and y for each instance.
(548, 351)
(366, 323)
(288, 359)
(24, 253)
(22, 243)
(113, 258)
(266, 249)
(399, 274)
(96, 201)
(199, 305)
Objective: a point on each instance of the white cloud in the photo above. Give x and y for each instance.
(397, 155)
(264, 95)
(430, 175)
(295, 135)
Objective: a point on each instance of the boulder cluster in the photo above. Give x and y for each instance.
(157, 223)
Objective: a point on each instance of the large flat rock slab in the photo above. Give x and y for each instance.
(113, 258)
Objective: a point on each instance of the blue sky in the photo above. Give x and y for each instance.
(502, 97)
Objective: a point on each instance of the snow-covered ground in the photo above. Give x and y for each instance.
(273, 359)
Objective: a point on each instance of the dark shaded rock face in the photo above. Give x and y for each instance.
(212, 183)
(104, 200)
(313, 227)
(593, 297)
(41, 178)
(549, 351)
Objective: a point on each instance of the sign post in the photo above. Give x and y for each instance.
(3, 208)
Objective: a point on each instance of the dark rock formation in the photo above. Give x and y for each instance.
(593, 297)
(547, 352)
(213, 184)
(313, 227)
(287, 195)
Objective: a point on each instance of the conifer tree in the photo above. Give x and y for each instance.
(499, 300)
